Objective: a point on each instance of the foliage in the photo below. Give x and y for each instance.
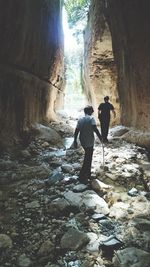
(77, 10)
(73, 62)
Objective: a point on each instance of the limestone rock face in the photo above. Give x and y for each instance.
(100, 75)
(129, 24)
(31, 61)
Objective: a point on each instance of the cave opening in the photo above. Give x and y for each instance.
(74, 21)
(75, 98)
(73, 51)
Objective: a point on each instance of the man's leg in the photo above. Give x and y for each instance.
(85, 172)
(104, 129)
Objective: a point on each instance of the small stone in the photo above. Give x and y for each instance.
(80, 188)
(24, 261)
(25, 153)
(33, 205)
(74, 239)
(67, 168)
(98, 216)
(133, 192)
(5, 241)
(46, 248)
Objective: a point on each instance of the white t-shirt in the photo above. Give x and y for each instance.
(86, 135)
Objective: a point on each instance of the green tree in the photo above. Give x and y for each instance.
(77, 10)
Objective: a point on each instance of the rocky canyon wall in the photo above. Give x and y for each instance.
(99, 75)
(129, 24)
(31, 62)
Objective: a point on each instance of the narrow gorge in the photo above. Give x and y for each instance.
(47, 217)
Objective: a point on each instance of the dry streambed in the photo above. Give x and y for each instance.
(49, 219)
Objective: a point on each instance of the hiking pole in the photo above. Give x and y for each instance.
(103, 156)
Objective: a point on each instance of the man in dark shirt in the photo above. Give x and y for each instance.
(104, 117)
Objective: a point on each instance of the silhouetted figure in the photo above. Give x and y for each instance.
(104, 117)
(86, 126)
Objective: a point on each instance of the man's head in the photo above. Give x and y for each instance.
(88, 110)
(106, 98)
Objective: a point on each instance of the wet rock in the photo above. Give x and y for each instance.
(48, 134)
(111, 242)
(73, 198)
(91, 201)
(46, 248)
(62, 127)
(54, 178)
(133, 192)
(33, 205)
(24, 261)
(131, 257)
(118, 130)
(74, 239)
(69, 180)
(98, 216)
(67, 168)
(59, 206)
(80, 188)
(27, 172)
(88, 200)
(5, 241)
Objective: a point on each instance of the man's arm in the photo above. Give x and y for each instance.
(75, 137)
(114, 113)
(99, 112)
(95, 129)
(113, 110)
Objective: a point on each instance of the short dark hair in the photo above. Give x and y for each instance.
(88, 110)
(106, 98)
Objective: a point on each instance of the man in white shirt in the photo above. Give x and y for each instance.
(86, 126)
